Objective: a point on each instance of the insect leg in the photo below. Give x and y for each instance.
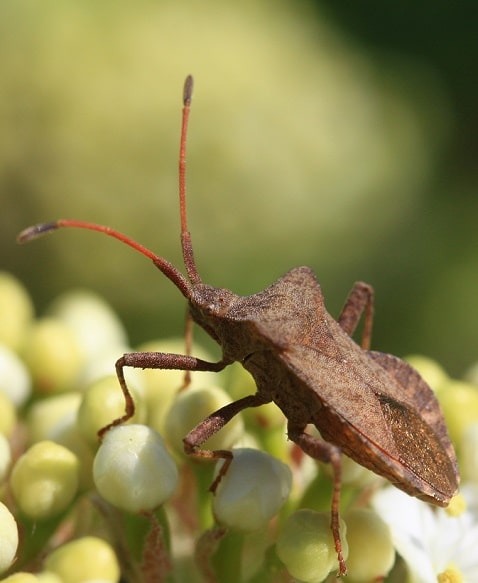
(188, 344)
(360, 299)
(155, 360)
(211, 425)
(325, 452)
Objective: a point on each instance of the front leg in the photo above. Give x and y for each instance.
(360, 299)
(328, 453)
(155, 360)
(211, 425)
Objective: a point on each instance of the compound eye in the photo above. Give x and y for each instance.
(220, 305)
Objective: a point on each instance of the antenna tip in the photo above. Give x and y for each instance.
(188, 90)
(36, 231)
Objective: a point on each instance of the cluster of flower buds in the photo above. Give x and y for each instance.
(74, 508)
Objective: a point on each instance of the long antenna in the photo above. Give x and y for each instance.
(186, 244)
(169, 270)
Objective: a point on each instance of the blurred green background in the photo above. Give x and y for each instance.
(337, 135)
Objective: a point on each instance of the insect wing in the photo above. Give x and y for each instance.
(362, 406)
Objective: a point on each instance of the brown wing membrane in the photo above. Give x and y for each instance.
(384, 416)
(417, 443)
(421, 399)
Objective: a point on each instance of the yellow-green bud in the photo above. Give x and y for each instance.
(190, 408)
(49, 577)
(102, 403)
(469, 453)
(47, 417)
(459, 403)
(306, 546)
(252, 491)
(15, 380)
(21, 577)
(239, 384)
(8, 538)
(371, 551)
(16, 311)
(93, 322)
(53, 356)
(55, 419)
(44, 479)
(432, 372)
(103, 365)
(133, 469)
(471, 375)
(84, 559)
(5, 457)
(8, 415)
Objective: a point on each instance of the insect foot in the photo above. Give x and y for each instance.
(371, 406)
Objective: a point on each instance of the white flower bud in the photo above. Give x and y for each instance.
(253, 490)
(8, 538)
(133, 469)
(15, 380)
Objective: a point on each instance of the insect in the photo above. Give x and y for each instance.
(371, 406)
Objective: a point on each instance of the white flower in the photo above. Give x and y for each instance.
(431, 542)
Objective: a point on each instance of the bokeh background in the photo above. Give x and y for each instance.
(337, 135)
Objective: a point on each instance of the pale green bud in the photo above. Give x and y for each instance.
(15, 380)
(16, 311)
(190, 408)
(53, 356)
(8, 538)
(133, 469)
(306, 546)
(371, 551)
(102, 403)
(252, 491)
(83, 560)
(44, 479)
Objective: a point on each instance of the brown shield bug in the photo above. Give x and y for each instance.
(371, 406)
